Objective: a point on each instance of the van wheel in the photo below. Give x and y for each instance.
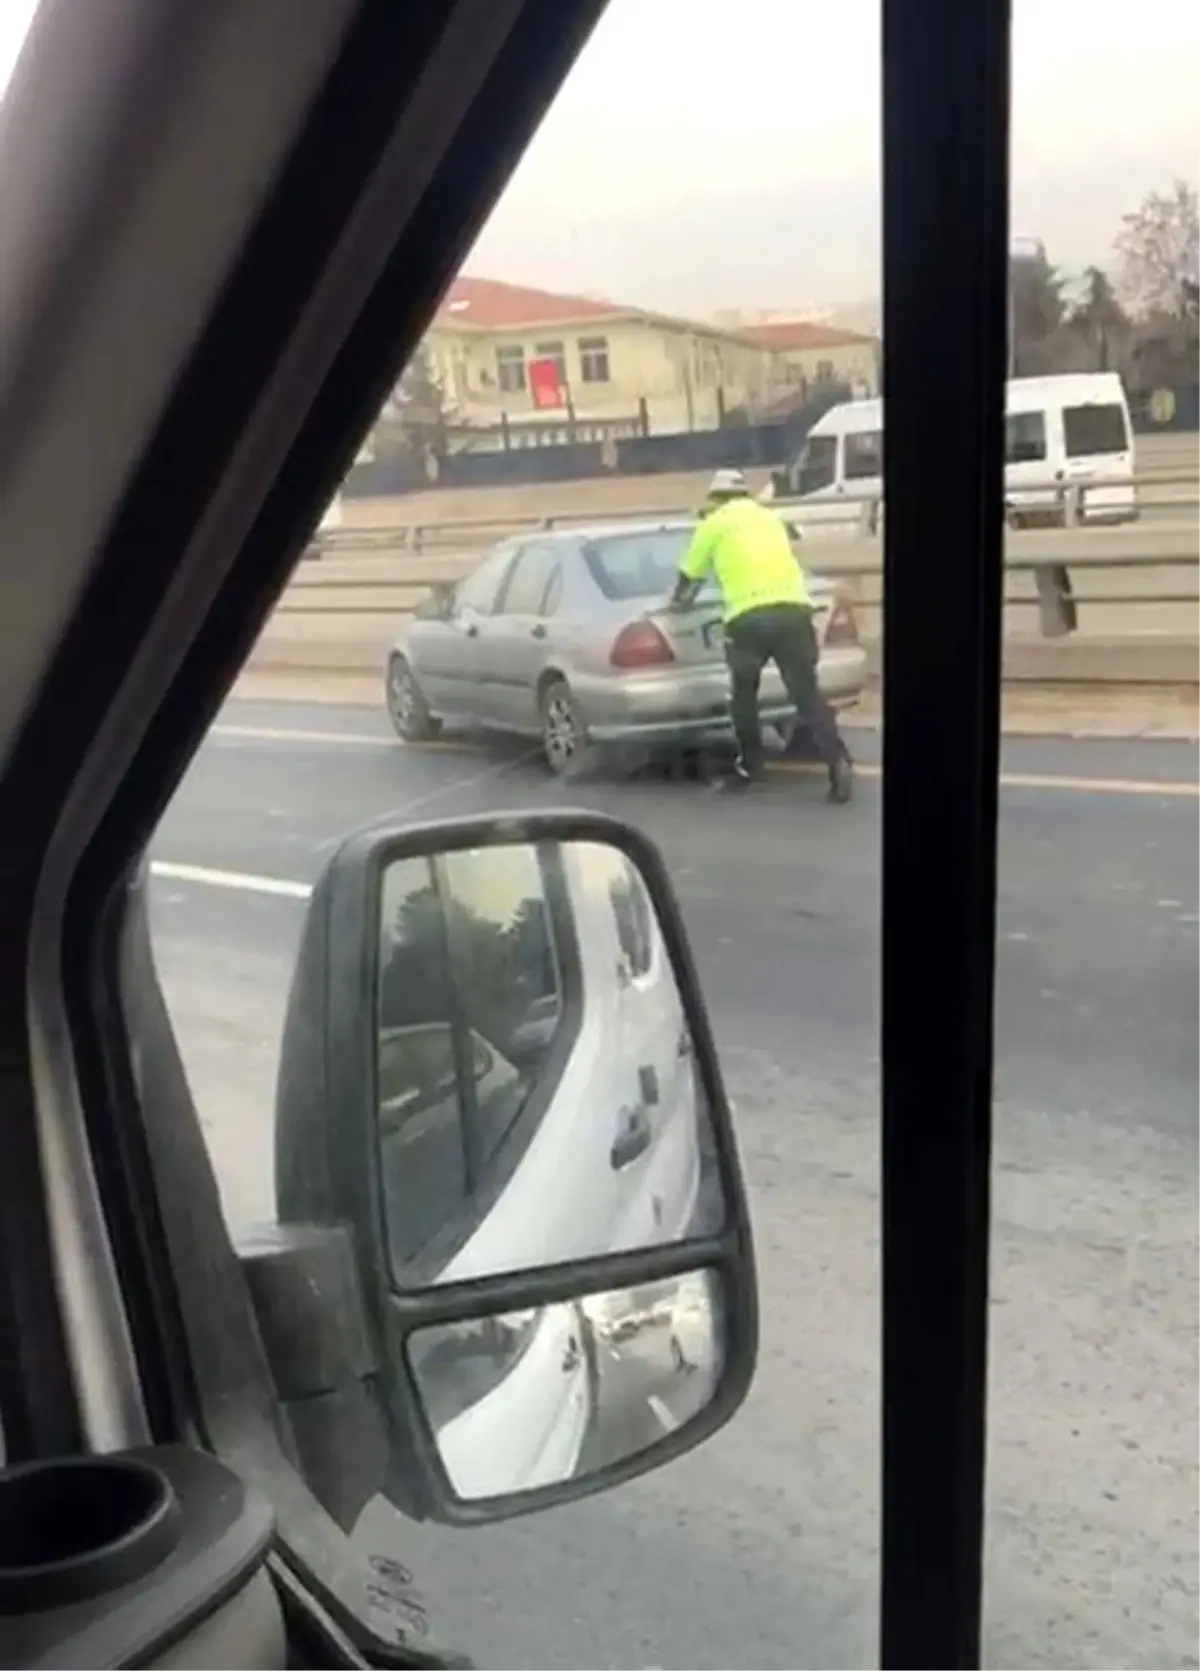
(564, 734)
(407, 707)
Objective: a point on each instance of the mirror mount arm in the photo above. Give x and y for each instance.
(307, 1296)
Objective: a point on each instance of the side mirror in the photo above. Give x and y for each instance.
(498, 1073)
(781, 484)
(439, 603)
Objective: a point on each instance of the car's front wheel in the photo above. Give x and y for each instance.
(406, 705)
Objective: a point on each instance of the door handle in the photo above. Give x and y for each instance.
(632, 1140)
(472, 631)
(537, 632)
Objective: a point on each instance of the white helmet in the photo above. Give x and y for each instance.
(726, 484)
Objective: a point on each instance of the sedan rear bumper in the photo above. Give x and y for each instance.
(692, 704)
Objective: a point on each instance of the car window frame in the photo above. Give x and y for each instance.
(505, 556)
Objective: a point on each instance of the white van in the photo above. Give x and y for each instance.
(1059, 431)
(1062, 431)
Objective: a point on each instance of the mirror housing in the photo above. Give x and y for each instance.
(603, 1258)
(438, 604)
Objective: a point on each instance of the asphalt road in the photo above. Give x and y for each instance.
(760, 1549)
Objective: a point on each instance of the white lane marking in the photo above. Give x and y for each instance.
(239, 881)
(288, 734)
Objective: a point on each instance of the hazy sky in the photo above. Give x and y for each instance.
(725, 153)
(709, 153)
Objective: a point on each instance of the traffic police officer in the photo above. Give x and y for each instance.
(768, 617)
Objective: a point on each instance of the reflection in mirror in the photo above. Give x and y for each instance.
(534, 1398)
(538, 1093)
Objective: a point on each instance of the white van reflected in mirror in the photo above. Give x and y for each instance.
(538, 1397)
(538, 1092)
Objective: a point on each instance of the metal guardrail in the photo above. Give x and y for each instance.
(1067, 502)
(1050, 567)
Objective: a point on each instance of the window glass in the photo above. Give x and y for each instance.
(817, 465)
(510, 369)
(864, 455)
(481, 589)
(637, 931)
(529, 579)
(593, 360)
(644, 282)
(505, 962)
(644, 565)
(470, 1004)
(1088, 430)
(1025, 437)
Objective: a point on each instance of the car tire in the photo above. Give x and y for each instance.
(406, 705)
(565, 743)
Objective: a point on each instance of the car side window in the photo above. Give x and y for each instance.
(529, 580)
(480, 590)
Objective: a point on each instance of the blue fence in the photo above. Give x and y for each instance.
(735, 446)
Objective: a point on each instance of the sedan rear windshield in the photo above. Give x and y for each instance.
(630, 566)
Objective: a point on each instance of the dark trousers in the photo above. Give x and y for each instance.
(782, 633)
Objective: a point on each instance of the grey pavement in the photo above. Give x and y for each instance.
(760, 1548)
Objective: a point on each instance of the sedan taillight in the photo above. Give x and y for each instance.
(640, 644)
(841, 629)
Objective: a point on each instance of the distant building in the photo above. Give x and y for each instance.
(820, 353)
(525, 367)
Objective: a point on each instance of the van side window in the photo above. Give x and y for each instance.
(1025, 438)
(817, 465)
(473, 1024)
(1094, 429)
(864, 455)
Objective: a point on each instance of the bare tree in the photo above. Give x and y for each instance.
(1158, 250)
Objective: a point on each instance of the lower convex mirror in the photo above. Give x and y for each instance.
(556, 1393)
(498, 1072)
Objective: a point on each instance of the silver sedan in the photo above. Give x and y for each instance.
(564, 635)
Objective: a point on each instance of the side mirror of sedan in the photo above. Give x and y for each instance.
(507, 1185)
(439, 603)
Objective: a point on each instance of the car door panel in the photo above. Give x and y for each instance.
(518, 636)
(448, 653)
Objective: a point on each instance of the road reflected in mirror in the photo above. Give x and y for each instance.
(538, 1092)
(531, 1399)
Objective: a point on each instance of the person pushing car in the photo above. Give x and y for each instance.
(768, 617)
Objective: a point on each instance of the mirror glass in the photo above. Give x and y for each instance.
(534, 1398)
(538, 1092)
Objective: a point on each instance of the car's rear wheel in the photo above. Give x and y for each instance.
(564, 734)
(406, 705)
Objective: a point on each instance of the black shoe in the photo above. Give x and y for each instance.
(841, 782)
